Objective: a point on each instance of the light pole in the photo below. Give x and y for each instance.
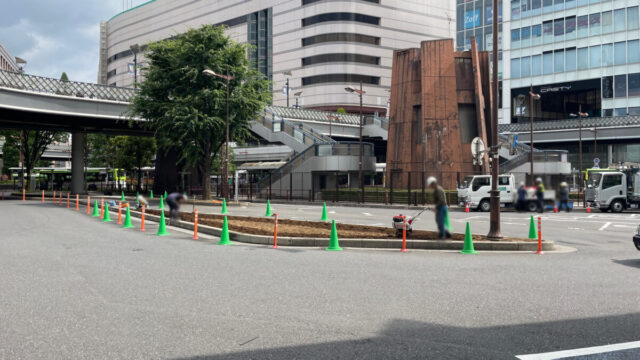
(331, 117)
(360, 92)
(287, 74)
(134, 49)
(225, 184)
(297, 95)
(494, 221)
(532, 96)
(580, 115)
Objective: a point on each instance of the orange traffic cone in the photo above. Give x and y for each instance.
(589, 208)
(555, 207)
(466, 207)
(43, 196)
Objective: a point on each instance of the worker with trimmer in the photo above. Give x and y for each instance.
(440, 202)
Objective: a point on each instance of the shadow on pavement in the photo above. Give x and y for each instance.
(629, 262)
(404, 339)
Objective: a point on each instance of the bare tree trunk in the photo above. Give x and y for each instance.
(206, 179)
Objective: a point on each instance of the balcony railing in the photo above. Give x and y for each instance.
(573, 123)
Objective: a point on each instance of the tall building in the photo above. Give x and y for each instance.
(577, 54)
(319, 46)
(7, 62)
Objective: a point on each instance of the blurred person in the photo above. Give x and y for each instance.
(521, 202)
(174, 200)
(540, 195)
(564, 196)
(440, 208)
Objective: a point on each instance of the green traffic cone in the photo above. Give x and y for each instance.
(106, 217)
(161, 206)
(532, 229)
(468, 242)
(224, 237)
(162, 229)
(268, 213)
(333, 239)
(137, 196)
(447, 222)
(165, 194)
(224, 206)
(122, 197)
(127, 220)
(96, 210)
(324, 212)
(151, 195)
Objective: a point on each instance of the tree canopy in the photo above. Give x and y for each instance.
(187, 109)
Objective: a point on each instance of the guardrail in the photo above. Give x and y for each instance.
(572, 124)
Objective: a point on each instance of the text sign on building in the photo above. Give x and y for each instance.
(472, 19)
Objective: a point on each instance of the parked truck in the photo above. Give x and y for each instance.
(476, 190)
(615, 190)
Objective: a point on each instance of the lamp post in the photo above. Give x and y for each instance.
(532, 96)
(494, 220)
(360, 92)
(580, 115)
(225, 184)
(287, 74)
(297, 95)
(134, 49)
(331, 117)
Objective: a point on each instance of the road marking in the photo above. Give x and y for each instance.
(332, 212)
(625, 226)
(606, 225)
(367, 214)
(632, 215)
(581, 352)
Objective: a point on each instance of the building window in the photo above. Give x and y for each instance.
(536, 65)
(525, 66)
(260, 35)
(570, 62)
(594, 24)
(607, 54)
(547, 62)
(536, 35)
(340, 78)
(633, 51)
(558, 5)
(634, 111)
(327, 58)
(515, 38)
(111, 73)
(620, 53)
(606, 20)
(515, 9)
(558, 29)
(620, 83)
(607, 87)
(536, 5)
(341, 37)
(525, 36)
(547, 32)
(595, 56)
(515, 68)
(558, 61)
(634, 84)
(341, 16)
(583, 58)
(619, 19)
(583, 26)
(632, 18)
(570, 27)
(620, 112)
(307, 2)
(547, 6)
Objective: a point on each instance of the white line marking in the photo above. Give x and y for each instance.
(632, 215)
(625, 226)
(591, 216)
(606, 225)
(332, 212)
(581, 352)
(367, 214)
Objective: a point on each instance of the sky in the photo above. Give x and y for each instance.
(57, 35)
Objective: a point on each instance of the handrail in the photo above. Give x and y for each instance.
(523, 158)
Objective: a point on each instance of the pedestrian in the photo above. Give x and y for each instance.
(141, 201)
(440, 209)
(564, 196)
(174, 200)
(540, 195)
(521, 202)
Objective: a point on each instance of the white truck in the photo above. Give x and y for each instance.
(615, 190)
(475, 190)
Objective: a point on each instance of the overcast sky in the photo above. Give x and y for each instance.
(57, 35)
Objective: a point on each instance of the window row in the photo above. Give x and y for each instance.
(573, 27)
(621, 111)
(340, 16)
(620, 86)
(327, 58)
(340, 78)
(571, 59)
(340, 37)
(521, 9)
(307, 2)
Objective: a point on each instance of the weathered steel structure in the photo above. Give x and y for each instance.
(440, 101)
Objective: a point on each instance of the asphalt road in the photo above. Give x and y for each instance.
(74, 287)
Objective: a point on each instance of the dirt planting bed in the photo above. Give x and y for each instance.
(313, 229)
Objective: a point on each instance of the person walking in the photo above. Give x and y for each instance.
(174, 200)
(440, 209)
(540, 195)
(521, 202)
(564, 196)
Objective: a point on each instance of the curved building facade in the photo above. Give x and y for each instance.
(319, 46)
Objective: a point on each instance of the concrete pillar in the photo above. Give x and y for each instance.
(609, 154)
(77, 162)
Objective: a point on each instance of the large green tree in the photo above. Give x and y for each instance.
(185, 108)
(33, 144)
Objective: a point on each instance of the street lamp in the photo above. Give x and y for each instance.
(532, 96)
(135, 48)
(297, 95)
(351, 89)
(580, 115)
(225, 184)
(332, 117)
(287, 74)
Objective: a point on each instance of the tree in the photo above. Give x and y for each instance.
(341, 111)
(185, 108)
(10, 151)
(33, 145)
(64, 77)
(137, 153)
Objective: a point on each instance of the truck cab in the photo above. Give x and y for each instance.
(475, 190)
(610, 191)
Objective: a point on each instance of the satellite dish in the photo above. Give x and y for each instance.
(477, 149)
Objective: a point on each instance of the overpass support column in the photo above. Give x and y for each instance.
(77, 162)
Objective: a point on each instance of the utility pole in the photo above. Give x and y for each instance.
(532, 97)
(580, 115)
(360, 93)
(134, 49)
(494, 222)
